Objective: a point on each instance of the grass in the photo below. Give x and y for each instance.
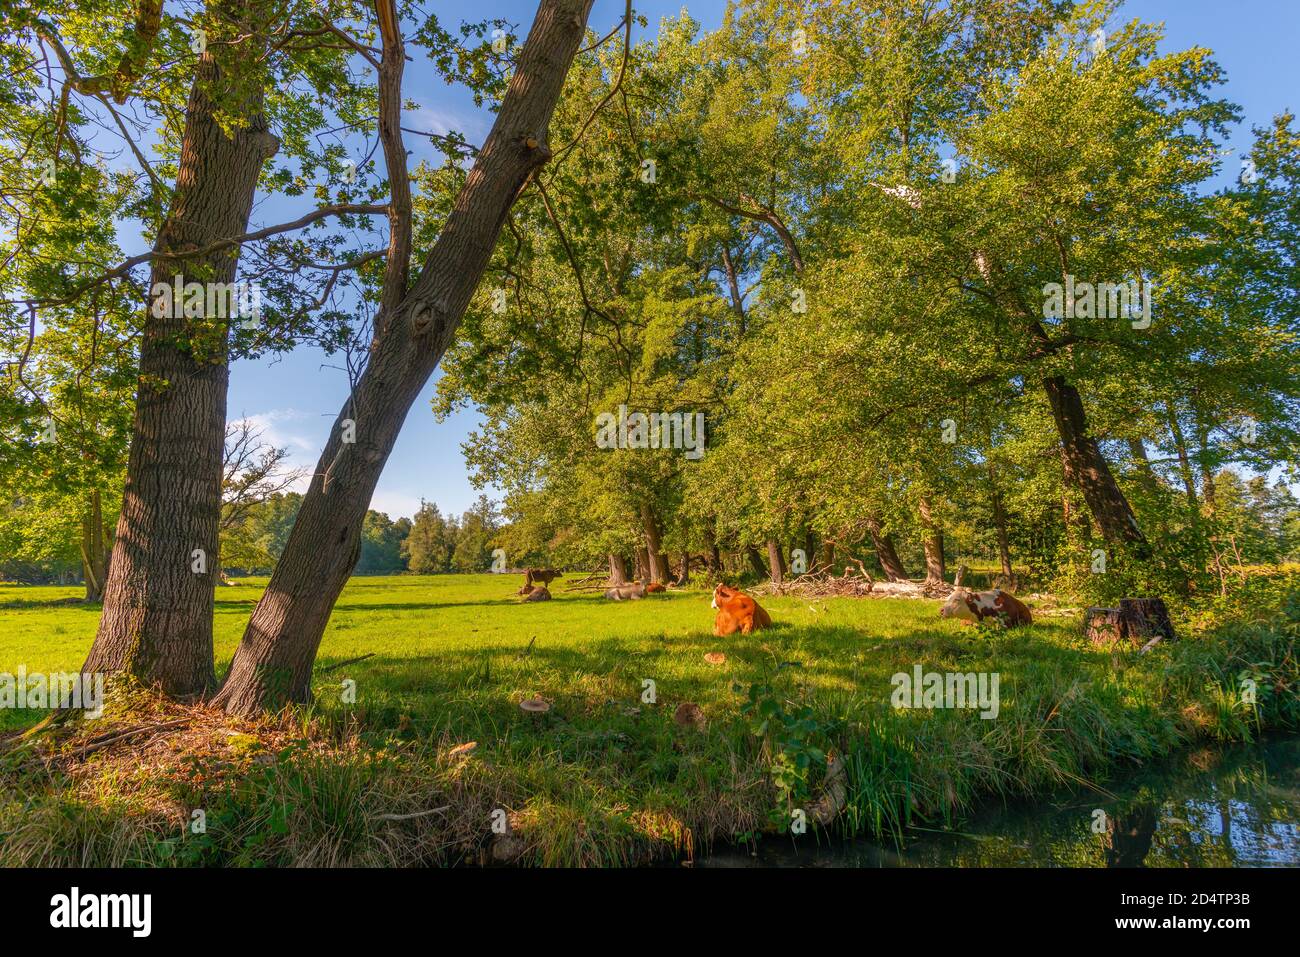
(606, 777)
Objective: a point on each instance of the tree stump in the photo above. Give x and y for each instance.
(1103, 626)
(1146, 620)
(1139, 621)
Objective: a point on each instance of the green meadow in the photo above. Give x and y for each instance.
(607, 775)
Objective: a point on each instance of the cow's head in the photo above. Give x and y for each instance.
(958, 606)
(721, 593)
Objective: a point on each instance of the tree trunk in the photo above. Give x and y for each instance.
(886, 554)
(685, 577)
(157, 620)
(1086, 469)
(713, 554)
(755, 561)
(656, 561)
(1000, 524)
(617, 569)
(641, 564)
(94, 553)
(774, 564)
(935, 571)
(1184, 461)
(272, 665)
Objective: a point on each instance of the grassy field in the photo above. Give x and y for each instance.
(607, 777)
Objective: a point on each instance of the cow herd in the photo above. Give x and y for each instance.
(737, 612)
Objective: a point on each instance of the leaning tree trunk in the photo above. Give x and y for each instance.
(755, 562)
(1086, 469)
(886, 553)
(157, 620)
(272, 665)
(935, 571)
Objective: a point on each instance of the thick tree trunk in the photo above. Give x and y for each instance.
(685, 577)
(272, 665)
(157, 620)
(755, 561)
(775, 566)
(617, 569)
(657, 566)
(886, 553)
(935, 571)
(1086, 469)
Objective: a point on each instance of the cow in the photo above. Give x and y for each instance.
(630, 592)
(541, 576)
(538, 593)
(737, 612)
(974, 606)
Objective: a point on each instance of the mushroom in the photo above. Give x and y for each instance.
(535, 705)
(715, 658)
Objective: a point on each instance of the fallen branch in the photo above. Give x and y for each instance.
(413, 816)
(344, 664)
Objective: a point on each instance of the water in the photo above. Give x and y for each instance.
(1237, 806)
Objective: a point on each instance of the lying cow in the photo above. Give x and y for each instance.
(537, 593)
(628, 592)
(972, 606)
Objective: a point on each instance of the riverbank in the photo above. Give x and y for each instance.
(432, 752)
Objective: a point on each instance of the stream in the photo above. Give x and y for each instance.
(1233, 806)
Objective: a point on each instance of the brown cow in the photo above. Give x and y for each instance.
(541, 576)
(975, 606)
(737, 612)
(539, 593)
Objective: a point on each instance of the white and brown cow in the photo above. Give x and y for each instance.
(978, 605)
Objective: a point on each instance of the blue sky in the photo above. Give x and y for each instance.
(295, 397)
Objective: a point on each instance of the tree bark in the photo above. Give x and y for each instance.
(1000, 524)
(157, 620)
(886, 553)
(1086, 469)
(1184, 462)
(272, 665)
(657, 564)
(774, 564)
(935, 571)
(713, 554)
(94, 553)
(755, 561)
(617, 569)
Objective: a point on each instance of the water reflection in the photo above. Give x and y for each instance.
(1232, 807)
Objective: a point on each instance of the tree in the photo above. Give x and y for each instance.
(429, 546)
(416, 324)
